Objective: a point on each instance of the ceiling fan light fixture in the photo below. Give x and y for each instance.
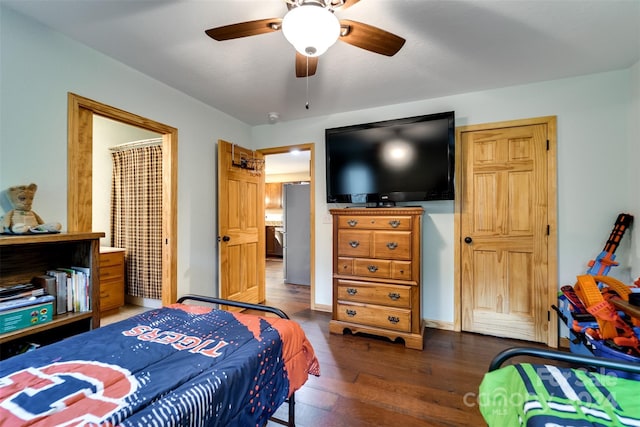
(311, 29)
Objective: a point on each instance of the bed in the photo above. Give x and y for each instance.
(188, 364)
(592, 392)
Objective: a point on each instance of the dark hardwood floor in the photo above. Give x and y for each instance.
(367, 381)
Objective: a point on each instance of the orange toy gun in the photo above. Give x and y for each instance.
(603, 262)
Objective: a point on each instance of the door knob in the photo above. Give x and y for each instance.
(226, 238)
(468, 239)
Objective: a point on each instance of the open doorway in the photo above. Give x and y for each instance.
(126, 159)
(80, 177)
(289, 272)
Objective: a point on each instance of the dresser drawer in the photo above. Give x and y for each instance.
(111, 272)
(345, 266)
(111, 281)
(387, 295)
(354, 243)
(375, 222)
(111, 294)
(379, 268)
(401, 270)
(392, 244)
(397, 319)
(111, 258)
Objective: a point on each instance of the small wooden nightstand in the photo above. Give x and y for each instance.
(111, 278)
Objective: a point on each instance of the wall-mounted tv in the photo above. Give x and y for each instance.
(402, 160)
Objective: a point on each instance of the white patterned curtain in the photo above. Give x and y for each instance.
(136, 217)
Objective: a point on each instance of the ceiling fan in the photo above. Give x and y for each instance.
(312, 27)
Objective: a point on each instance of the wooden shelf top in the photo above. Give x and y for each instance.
(23, 239)
(58, 320)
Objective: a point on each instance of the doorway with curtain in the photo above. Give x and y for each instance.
(136, 214)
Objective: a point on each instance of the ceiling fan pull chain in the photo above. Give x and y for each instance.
(307, 104)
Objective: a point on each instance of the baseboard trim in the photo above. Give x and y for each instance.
(439, 324)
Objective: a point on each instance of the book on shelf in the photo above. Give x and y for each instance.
(24, 302)
(73, 291)
(20, 290)
(61, 290)
(48, 284)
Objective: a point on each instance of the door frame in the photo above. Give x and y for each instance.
(312, 201)
(552, 220)
(80, 111)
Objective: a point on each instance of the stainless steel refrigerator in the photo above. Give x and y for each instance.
(296, 251)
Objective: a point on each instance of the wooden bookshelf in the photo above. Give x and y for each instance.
(24, 256)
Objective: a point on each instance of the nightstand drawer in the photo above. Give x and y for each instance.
(374, 293)
(396, 319)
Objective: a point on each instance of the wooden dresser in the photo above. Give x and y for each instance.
(111, 278)
(376, 273)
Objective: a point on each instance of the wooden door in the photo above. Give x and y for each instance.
(240, 225)
(505, 224)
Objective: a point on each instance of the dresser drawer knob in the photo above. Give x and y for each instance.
(350, 312)
(352, 222)
(354, 243)
(392, 245)
(372, 268)
(394, 296)
(352, 291)
(394, 223)
(393, 319)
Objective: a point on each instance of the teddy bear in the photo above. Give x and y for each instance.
(21, 219)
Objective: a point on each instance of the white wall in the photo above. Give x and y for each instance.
(593, 137)
(37, 69)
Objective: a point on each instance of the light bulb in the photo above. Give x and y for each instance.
(311, 29)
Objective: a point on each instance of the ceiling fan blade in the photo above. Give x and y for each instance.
(347, 4)
(370, 38)
(301, 65)
(245, 29)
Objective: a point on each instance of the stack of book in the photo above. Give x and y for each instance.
(58, 291)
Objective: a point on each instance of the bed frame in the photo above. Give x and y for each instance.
(574, 359)
(291, 422)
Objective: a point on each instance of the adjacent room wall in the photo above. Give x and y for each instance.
(37, 69)
(593, 136)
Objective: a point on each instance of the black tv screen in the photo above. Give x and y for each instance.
(402, 160)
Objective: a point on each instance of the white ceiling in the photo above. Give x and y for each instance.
(286, 163)
(452, 47)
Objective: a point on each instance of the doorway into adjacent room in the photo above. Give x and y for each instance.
(81, 112)
(289, 271)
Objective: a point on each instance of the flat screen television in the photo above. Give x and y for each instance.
(402, 160)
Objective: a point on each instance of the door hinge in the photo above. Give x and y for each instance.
(547, 145)
(548, 316)
(548, 229)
